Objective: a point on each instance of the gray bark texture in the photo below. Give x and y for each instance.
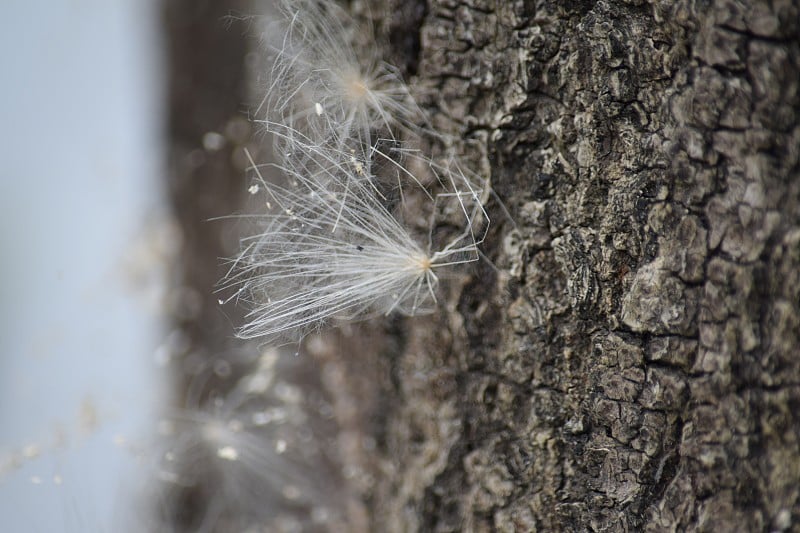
(628, 359)
(634, 361)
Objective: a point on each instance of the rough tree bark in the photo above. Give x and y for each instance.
(630, 358)
(634, 361)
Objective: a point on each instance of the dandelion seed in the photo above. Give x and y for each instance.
(323, 85)
(253, 189)
(348, 259)
(220, 448)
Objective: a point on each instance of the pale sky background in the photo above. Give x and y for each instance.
(81, 144)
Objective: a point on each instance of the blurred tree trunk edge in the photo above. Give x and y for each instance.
(628, 359)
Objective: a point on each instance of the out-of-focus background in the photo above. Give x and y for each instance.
(126, 402)
(84, 243)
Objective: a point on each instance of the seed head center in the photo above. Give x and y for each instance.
(423, 262)
(356, 88)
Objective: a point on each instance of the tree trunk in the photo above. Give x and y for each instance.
(629, 356)
(633, 362)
